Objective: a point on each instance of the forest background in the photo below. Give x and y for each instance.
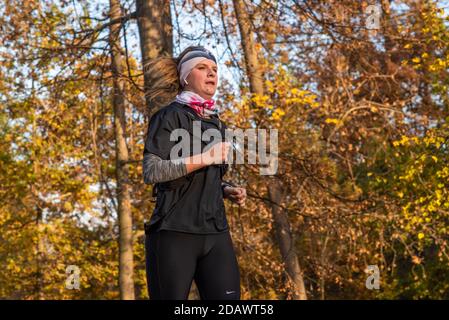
(358, 91)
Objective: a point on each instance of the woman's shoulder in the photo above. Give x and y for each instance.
(173, 114)
(174, 108)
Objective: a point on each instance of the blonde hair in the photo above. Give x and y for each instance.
(163, 80)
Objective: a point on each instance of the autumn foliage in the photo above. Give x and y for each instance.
(362, 131)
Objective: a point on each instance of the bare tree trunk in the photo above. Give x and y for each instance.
(285, 241)
(155, 32)
(126, 260)
(275, 194)
(253, 69)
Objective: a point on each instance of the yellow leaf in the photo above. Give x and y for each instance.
(416, 260)
(334, 121)
(68, 206)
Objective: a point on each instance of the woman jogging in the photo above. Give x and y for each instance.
(187, 237)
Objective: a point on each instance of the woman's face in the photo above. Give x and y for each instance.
(203, 79)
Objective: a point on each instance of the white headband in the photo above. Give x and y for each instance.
(186, 67)
(190, 60)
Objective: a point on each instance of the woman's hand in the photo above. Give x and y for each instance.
(235, 194)
(217, 154)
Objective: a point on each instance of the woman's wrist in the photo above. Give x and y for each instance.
(223, 189)
(195, 162)
(216, 155)
(225, 185)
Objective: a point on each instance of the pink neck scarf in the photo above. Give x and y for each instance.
(197, 102)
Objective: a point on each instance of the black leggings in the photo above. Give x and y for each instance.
(174, 259)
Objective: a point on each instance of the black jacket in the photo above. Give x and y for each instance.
(193, 203)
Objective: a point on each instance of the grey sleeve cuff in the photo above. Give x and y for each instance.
(225, 184)
(157, 170)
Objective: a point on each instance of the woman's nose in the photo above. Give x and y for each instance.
(211, 73)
